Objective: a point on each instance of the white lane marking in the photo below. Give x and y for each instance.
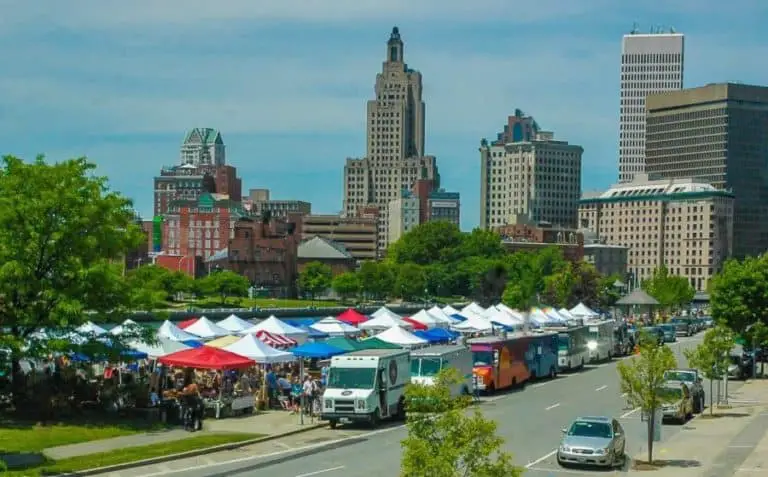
(272, 454)
(557, 404)
(740, 447)
(559, 471)
(540, 459)
(601, 387)
(317, 472)
(629, 413)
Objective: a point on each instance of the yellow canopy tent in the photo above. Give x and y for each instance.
(223, 341)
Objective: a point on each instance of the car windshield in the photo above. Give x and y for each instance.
(684, 376)
(590, 429)
(351, 378)
(426, 366)
(671, 394)
(563, 341)
(482, 358)
(669, 328)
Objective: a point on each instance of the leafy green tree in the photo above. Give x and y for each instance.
(157, 285)
(63, 235)
(711, 356)
(558, 287)
(607, 294)
(445, 440)
(487, 279)
(224, 284)
(481, 243)
(520, 295)
(642, 378)
(671, 291)
(377, 279)
(346, 284)
(739, 293)
(316, 278)
(410, 282)
(427, 243)
(586, 285)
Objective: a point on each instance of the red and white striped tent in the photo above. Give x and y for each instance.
(274, 340)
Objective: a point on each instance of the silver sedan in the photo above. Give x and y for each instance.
(597, 441)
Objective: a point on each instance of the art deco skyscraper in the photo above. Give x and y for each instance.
(650, 63)
(395, 146)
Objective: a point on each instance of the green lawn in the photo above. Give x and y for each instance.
(18, 437)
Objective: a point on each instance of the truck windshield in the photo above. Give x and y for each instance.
(563, 342)
(351, 378)
(482, 358)
(429, 367)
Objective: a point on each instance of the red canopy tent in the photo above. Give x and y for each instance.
(207, 357)
(416, 325)
(274, 340)
(352, 317)
(187, 323)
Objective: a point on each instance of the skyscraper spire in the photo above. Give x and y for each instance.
(395, 47)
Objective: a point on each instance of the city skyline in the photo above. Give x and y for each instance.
(287, 87)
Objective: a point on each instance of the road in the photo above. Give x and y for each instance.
(529, 420)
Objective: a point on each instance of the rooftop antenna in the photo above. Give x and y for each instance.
(672, 30)
(634, 29)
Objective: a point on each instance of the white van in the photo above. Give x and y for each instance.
(366, 385)
(427, 362)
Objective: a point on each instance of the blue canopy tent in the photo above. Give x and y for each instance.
(440, 334)
(458, 317)
(192, 343)
(127, 353)
(313, 333)
(316, 351)
(300, 322)
(426, 336)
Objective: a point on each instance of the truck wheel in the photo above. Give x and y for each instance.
(552, 372)
(332, 423)
(375, 419)
(400, 416)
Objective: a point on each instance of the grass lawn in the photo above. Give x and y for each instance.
(131, 454)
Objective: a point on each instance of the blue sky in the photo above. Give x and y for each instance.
(286, 81)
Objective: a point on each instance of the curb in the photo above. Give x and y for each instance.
(192, 453)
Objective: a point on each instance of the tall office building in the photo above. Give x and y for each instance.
(395, 146)
(526, 172)
(717, 133)
(650, 63)
(203, 146)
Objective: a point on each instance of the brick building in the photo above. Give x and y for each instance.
(189, 182)
(265, 253)
(531, 237)
(328, 252)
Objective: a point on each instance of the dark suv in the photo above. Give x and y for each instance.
(684, 326)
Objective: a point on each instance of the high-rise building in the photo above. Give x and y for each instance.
(717, 133)
(683, 224)
(395, 144)
(650, 63)
(422, 204)
(526, 172)
(203, 146)
(259, 202)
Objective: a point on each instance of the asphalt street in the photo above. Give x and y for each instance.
(529, 420)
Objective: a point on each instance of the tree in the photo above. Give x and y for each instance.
(224, 284)
(157, 285)
(376, 279)
(607, 294)
(520, 295)
(410, 282)
(711, 356)
(558, 287)
(346, 284)
(427, 243)
(63, 235)
(739, 293)
(445, 441)
(642, 378)
(316, 278)
(671, 291)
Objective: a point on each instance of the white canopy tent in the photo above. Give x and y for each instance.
(384, 322)
(90, 328)
(384, 311)
(473, 308)
(449, 310)
(251, 347)
(163, 347)
(474, 324)
(121, 328)
(583, 311)
(275, 326)
(333, 327)
(567, 314)
(501, 317)
(172, 332)
(426, 319)
(398, 336)
(552, 313)
(442, 315)
(538, 316)
(234, 324)
(206, 329)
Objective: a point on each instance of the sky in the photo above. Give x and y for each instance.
(286, 82)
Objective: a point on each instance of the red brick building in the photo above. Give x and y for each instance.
(529, 237)
(189, 182)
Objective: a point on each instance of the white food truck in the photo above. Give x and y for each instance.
(427, 362)
(600, 343)
(366, 385)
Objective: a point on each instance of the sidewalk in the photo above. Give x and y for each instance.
(722, 446)
(269, 424)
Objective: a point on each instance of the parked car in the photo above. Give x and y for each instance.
(684, 326)
(653, 331)
(741, 366)
(692, 379)
(679, 405)
(670, 333)
(593, 441)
